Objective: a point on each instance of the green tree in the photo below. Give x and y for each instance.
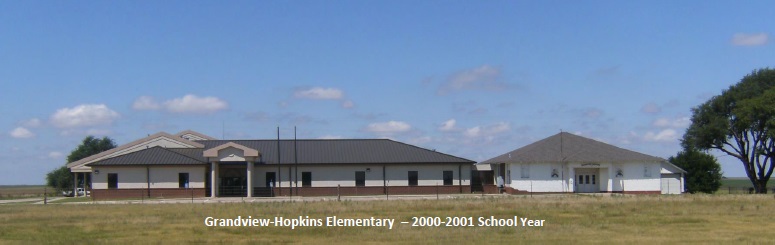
(703, 170)
(61, 178)
(741, 123)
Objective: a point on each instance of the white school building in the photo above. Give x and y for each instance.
(568, 163)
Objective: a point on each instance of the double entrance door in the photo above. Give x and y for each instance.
(587, 180)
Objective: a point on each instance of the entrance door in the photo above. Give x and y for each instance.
(587, 180)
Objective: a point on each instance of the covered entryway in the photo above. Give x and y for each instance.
(587, 180)
(233, 181)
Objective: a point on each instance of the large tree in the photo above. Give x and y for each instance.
(703, 172)
(741, 123)
(61, 178)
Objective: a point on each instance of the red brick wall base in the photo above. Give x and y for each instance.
(372, 190)
(143, 193)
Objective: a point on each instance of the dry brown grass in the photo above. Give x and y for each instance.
(577, 219)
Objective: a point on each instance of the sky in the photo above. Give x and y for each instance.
(469, 78)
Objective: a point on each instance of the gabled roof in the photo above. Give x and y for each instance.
(194, 135)
(335, 151)
(566, 147)
(248, 152)
(129, 146)
(152, 156)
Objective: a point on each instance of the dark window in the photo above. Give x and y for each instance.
(581, 179)
(448, 178)
(112, 181)
(306, 179)
(270, 179)
(587, 178)
(412, 178)
(182, 180)
(360, 178)
(593, 179)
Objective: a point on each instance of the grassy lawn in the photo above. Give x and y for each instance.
(577, 219)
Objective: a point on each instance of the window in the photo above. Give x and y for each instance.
(508, 176)
(182, 180)
(360, 178)
(306, 179)
(581, 179)
(593, 179)
(412, 178)
(447, 177)
(587, 178)
(270, 179)
(112, 181)
(525, 171)
(646, 171)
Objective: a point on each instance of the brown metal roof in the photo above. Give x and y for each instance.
(566, 147)
(153, 156)
(328, 151)
(335, 151)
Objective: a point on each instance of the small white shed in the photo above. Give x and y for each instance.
(672, 178)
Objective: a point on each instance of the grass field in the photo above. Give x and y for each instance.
(575, 219)
(25, 191)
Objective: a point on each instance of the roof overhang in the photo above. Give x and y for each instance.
(247, 151)
(127, 148)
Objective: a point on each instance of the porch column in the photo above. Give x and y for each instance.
(75, 184)
(250, 179)
(213, 179)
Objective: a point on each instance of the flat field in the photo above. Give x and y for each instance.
(568, 219)
(24, 191)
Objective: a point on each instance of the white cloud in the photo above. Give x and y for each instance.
(319, 93)
(194, 104)
(753, 39)
(32, 123)
(348, 104)
(145, 103)
(55, 155)
(447, 126)
(389, 127)
(680, 122)
(83, 116)
(487, 131)
(666, 135)
(481, 78)
(21, 133)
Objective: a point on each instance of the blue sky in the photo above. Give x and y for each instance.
(468, 78)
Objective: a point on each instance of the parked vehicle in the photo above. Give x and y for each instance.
(81, 192)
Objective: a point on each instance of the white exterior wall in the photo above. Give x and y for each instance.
(344, 175)
(160, 176)
(633, 178)
(128, 177)
(167, 176)
(540, 177)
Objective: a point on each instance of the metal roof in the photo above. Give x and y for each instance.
(328, 151)
(566, 147)
(333, 151)
(153, 156)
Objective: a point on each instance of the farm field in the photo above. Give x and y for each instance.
(568, 219)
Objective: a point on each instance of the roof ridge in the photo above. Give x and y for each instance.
(182, 154)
